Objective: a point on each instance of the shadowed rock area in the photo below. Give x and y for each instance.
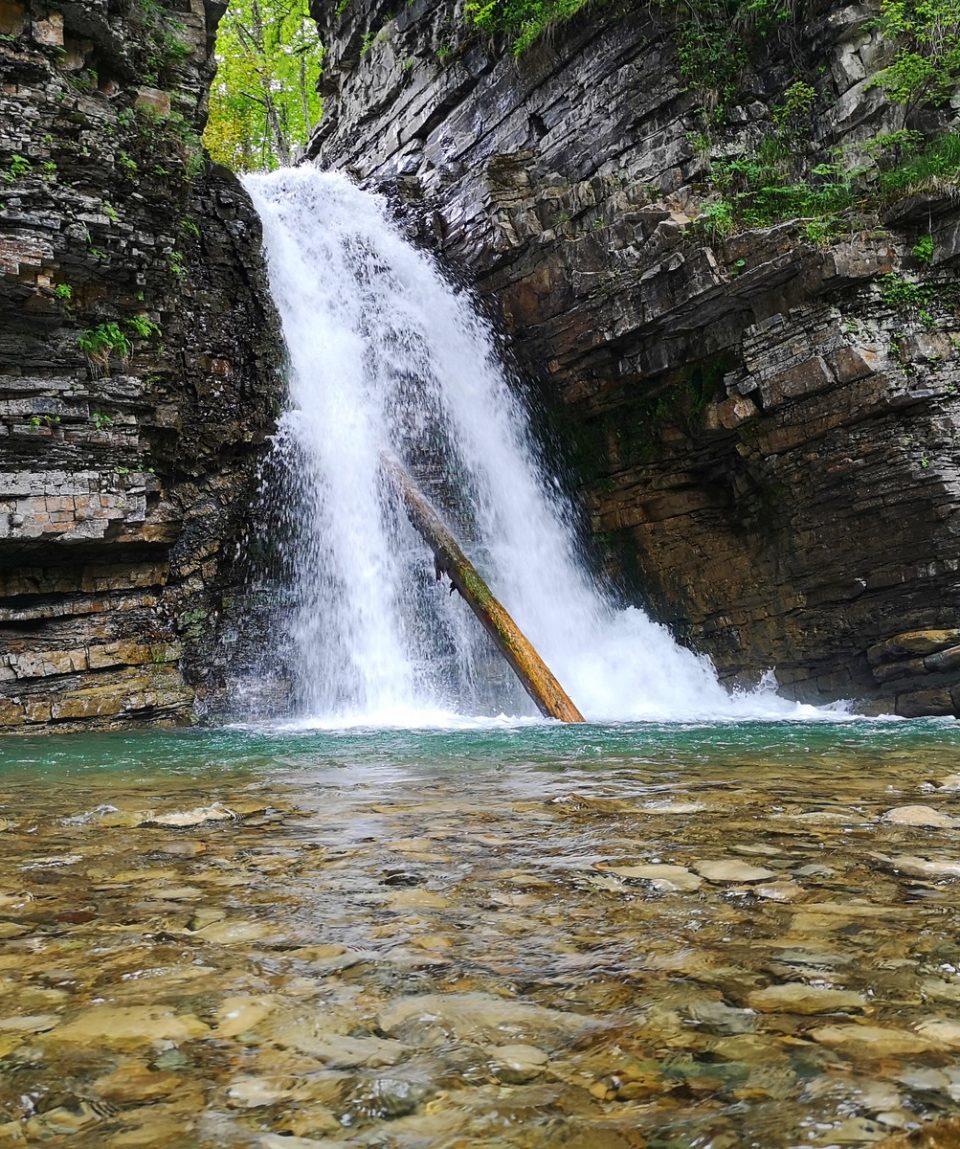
(762, 431)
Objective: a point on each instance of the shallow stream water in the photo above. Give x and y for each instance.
(515, 936)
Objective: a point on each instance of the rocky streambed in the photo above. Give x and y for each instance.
(604, 938)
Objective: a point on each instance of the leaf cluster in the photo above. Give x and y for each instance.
(264, 101)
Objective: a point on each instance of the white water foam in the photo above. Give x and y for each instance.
(384, 355)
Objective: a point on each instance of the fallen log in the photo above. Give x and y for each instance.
(529, 667)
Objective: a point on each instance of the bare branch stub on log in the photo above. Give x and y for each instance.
(529, 667)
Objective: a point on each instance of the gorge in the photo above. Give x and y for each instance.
(651, 311)
(759, 422)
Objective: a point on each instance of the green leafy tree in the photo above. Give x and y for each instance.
(264, 101)
(926, 68)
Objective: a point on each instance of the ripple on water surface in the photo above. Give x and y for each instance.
(519, 936)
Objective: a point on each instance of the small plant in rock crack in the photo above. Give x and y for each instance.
(19, 166)
(103, 343)
(142, 327)
(101, 421)
(895, 291)
(63, 292)
(923, 249)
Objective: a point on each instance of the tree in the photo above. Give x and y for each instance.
(264, 101)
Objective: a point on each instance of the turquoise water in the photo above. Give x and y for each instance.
(536, 745)
(514, 936)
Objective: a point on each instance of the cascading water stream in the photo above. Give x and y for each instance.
(384, 355)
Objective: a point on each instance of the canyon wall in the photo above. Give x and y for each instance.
(761, 425)
(139, 364)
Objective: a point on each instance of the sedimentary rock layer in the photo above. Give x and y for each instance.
(138, 363)
(763, 431)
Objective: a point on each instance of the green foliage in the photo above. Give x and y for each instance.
(926, 68)
(523, 21)
(101, 421)
(798, 101)
(923, 249)
(923, 168)
(767, 186)
(715, 39)
(175, 135)
(177, 264)
(38, 421)
(902, 294)
(110, 211)
(142, 326)
(103, 343)
(264, 102)
(165, 50)
(63, 292)
(19, 166)
(127, 162)
(716, 220)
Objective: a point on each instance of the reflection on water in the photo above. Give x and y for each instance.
(528, 937)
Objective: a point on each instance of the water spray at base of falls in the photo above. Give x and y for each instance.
(385, 357)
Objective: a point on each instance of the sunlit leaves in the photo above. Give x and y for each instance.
(264, 101)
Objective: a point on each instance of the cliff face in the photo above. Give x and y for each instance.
(763, 427)
(138, 363)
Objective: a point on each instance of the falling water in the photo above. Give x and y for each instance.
(384, 355)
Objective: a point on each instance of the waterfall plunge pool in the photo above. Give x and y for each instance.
(507, 935)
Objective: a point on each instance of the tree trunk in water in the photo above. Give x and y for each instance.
(529, 667)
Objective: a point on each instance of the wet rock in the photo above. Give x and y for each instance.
(517, 1064)
(872, 1040)
(180, 819)
(916, 867)
(338, 1050)
(227, 933)
(853, 1131)
(236, 1015)
(945, 1033)
(129, 1025)
(391, 1097)
(132, 1081)
(732, 870)
(924, 816)
(717, 1017)
(477, 1017)
(276, 1141)
(798, 997)
(256, 1092)
(934, 1135)
(664, 878)
(779, 891)
(37, 1023)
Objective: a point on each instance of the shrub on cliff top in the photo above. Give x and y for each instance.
(524, 21)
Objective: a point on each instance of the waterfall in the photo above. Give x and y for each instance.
(384, 355)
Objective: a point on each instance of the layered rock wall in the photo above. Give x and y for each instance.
(763, 428)
(139, 365)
